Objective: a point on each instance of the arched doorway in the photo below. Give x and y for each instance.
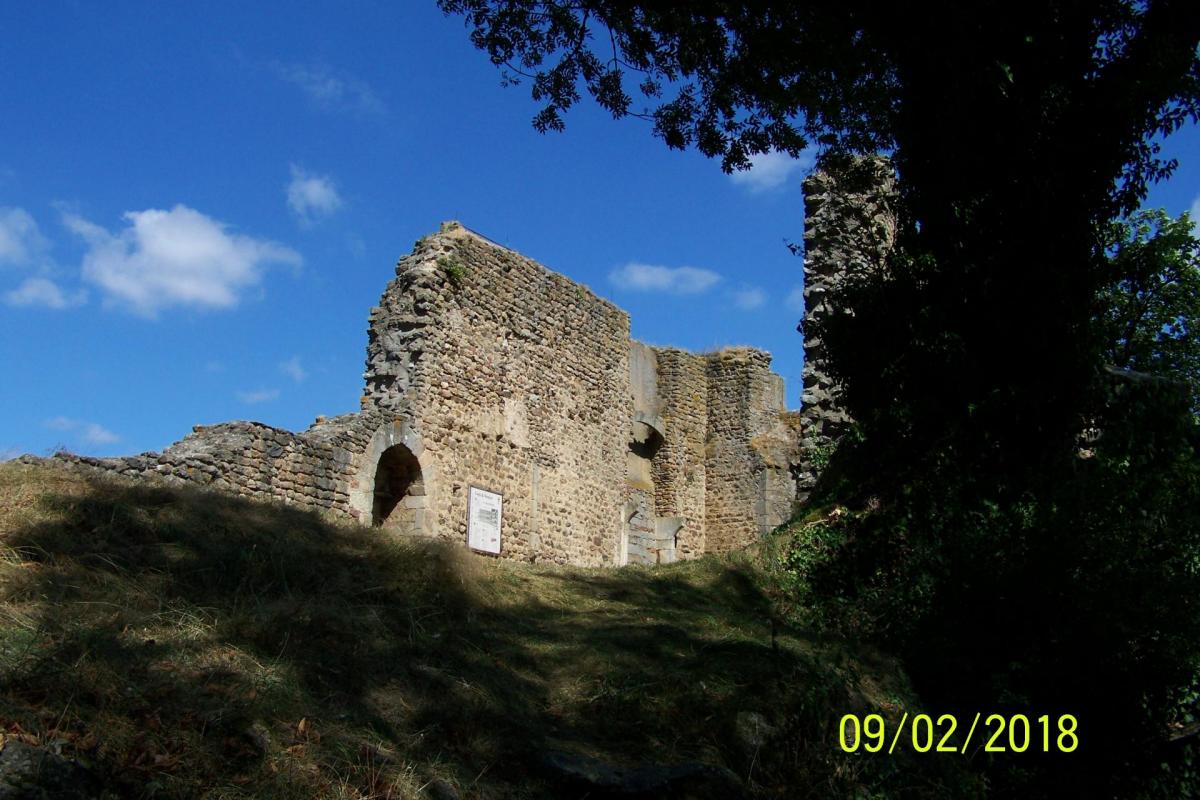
(399, 496)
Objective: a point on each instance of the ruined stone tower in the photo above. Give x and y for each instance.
(849, 228)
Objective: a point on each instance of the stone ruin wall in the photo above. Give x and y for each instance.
(516, 380)
(849, 228)
(679, 472)
(492, 371)
(749, 450)
(315, 468)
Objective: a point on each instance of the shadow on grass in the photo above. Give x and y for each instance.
(186, 644)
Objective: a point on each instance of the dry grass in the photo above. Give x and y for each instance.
(186, 644)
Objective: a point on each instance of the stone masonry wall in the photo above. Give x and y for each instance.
(521, 387)
(485, 369)
(314, 469)
(749, 450)
(680, 479)
(849, 227)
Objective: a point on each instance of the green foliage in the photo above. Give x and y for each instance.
(737, 88)
(735, 80)
(805, 549)
(1150, 306)
(1078, 596)
(821, 456)
(1067, 582)
(453, 269)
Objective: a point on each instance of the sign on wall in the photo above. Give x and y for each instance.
(484, 510)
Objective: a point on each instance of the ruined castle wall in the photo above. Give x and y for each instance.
(314, 469)
(730, 463)
(485, 369)
(748, 450)
(773, 438)
(516, 380)
(678, 468)
(849, 228)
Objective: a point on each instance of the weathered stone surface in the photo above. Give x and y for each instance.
(503, 366)
(749, 426)
(679, 470)
(849, 229)
(256, 460)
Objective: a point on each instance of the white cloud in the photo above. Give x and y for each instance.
(651, 278)
(214, 366)
(43, 292)
(795, 299)
(173, 258)
(312, 196)
(87, 432)
(23, 246)
(293, 369)
(7, 453)
(258, 396)
(771, 170)
(337, 92)
(96, 434)
(21, 243)
(749, 298)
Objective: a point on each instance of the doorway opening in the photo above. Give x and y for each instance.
(399, 498)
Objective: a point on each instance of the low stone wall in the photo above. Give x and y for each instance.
(250, 459)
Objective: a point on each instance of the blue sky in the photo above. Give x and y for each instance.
(199, 205)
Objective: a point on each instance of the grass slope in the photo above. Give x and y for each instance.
(187, 644)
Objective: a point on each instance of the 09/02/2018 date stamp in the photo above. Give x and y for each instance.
(999, 734)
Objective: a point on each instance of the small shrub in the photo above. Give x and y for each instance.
(453, 269)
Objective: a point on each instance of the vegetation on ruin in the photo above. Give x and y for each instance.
(183, 644)
(453, 269)
(1013, 559)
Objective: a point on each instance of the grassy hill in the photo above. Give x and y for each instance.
(184, 644)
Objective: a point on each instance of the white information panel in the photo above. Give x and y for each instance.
(484, 509)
